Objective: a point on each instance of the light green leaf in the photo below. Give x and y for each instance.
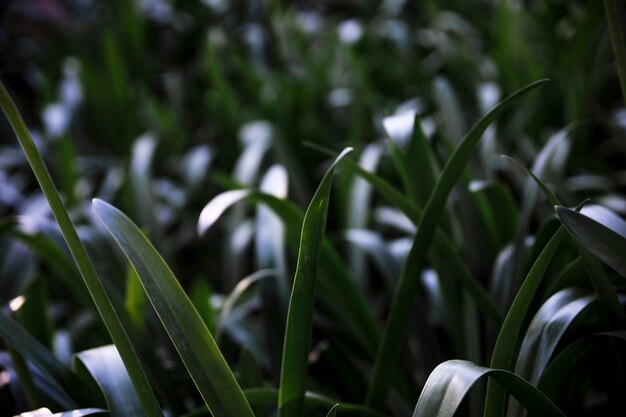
(194, 343)
(301, 303)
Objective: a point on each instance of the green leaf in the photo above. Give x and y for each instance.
(301, 303)
(87, 271)
(190, 336)
(391, 344)
(600, 240)
(107, 369)
(449, 382)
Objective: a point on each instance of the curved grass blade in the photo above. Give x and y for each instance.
(546, 330)
(333, 411)
(86, 268)
(237, 292)
(194, 343)
(544, 333)
(448, 384)
(106, 368)
(301, 303)
(391, 344)
(603, 242)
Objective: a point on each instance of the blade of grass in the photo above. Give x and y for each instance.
(448, 384)
(86, 268)
(301, 303)
(391, 344)
(181, 320)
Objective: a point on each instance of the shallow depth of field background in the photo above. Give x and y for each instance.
(160, 106)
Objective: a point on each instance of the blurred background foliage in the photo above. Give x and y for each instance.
(158, 106)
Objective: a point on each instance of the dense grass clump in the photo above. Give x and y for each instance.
(362, 208)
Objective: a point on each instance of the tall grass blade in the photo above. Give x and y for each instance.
(194, 343)
(87, 271)
(391, 344)
(300, 314)
(449, 383)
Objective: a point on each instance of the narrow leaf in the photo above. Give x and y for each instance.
(301, 303)
(190, 336)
